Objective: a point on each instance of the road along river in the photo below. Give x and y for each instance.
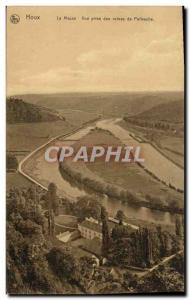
(38, 170)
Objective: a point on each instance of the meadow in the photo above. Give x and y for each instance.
(22, 138)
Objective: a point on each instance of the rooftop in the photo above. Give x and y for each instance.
(95, 225)
(91, 225)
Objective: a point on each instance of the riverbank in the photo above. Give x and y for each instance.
(42, 173)
(153, 144)
(31, 155)
(162, 141)
(103, 188)
(154, 161)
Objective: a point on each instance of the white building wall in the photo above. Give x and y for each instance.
(88, 233)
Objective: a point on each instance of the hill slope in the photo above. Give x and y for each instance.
(172, 112)
(19, 111)
(108, 104)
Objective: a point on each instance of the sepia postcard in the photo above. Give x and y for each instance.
(95, 150)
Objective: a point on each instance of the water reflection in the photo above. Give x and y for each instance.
(141, 213)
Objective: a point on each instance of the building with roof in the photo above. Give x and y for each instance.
(91, 228)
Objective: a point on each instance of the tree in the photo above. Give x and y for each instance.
(28, 270)
(120, 216)
(88, 207)
(53, 202)
(105, 232)
(122, 253)
(122, 250)
(12, 162)
(62, 262)
(130, 280)
(120, 231)
(178, 226)
(86, 267)
(165, 241)
(52, 206)
(145, 240)
(161, 281)
(178, 263)
(175, 243)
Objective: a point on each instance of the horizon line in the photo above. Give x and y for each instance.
(93, 92)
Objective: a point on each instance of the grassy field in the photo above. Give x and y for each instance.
(97, 137)
(29, 136)
(173, 144)
(17, 180)
(178, 159)
(173, 147)
(170, 145)
(22, 138)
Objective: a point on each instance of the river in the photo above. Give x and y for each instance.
(45, 173)
(154, 161)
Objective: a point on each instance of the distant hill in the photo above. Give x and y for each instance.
(19, 111)
(108, 104)
(172, 112)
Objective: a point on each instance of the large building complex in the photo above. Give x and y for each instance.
(91, 228)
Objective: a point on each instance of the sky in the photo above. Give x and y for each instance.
(51, 56)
